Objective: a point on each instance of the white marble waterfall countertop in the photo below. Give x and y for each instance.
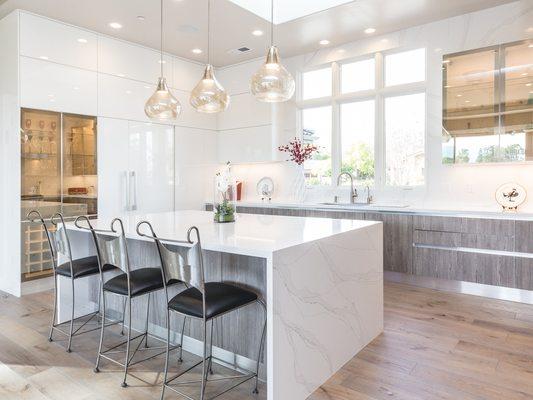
(251, 235)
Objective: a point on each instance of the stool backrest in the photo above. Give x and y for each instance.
(56, 236)
(111, 244)
(180, 260)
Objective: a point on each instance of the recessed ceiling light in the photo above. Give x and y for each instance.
(141, 18)
(115, 25)
(43, 57)
(197, 51)
(324, 42)
(368, 31)
(257, 32)
(82, 40)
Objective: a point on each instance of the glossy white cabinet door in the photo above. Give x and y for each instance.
(151, 160)
(247, 145)
(65, 44)
(48, 86)
(245, 111)
(122, 98)
(113, 166)
(186, 74)
(131, 61)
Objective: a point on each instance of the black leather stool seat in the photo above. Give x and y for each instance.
(219, 298)
(142, 280)
(82, 267)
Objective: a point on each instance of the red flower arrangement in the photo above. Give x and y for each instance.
(299, 151)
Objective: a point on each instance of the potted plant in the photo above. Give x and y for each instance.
(225, 196)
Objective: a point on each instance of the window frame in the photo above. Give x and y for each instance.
(378, 94)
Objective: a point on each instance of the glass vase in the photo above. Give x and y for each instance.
(224, 202)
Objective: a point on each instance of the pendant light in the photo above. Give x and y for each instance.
(209, 96)
(162, 105)
(272, 83)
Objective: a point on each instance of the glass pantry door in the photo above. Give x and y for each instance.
(40, 186)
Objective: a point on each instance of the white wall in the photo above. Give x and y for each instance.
(9, 148)
(455, 186)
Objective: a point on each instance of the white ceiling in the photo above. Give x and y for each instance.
(186, 22)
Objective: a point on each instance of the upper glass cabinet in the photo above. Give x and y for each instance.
(488, 105)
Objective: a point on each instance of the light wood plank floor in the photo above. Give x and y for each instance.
(436, 345)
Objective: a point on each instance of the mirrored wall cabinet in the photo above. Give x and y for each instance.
(488, 105)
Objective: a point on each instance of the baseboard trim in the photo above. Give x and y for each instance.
(475, 289)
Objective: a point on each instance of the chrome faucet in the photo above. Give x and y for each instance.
(353, 190)
(369, 197)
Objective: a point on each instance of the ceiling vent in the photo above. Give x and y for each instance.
(240, 50)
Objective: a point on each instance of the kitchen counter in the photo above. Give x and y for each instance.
(473, 212)
(322, 280)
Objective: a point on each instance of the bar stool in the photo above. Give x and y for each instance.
(204, 301)
(112, 250)
(65, 266)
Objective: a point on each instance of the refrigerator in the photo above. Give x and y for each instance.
(58, 174)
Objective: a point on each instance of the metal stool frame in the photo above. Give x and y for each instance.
(111, 248)
(185, 263)
(59, 244)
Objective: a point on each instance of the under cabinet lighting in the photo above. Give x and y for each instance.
(257, 32)
(324, 42)
(368, 31)
(197, 51)
(82, 40)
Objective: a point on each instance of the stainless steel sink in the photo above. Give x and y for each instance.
(355, 205)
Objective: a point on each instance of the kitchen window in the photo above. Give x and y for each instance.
(368, 117)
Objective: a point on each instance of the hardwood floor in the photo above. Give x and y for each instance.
(436, 345)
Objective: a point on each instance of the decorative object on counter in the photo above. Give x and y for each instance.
(208, 96)
(265, 188)
(510, 196)
(162, 105)
(299, 152)
(272, 83)
(225, 193)
(239, 190)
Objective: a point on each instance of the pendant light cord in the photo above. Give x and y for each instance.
(208, 32)
(271, 23)
(161, 38)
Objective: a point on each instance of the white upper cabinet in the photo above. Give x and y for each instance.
(246, 145)
(245, 111)
(123, 98)
(46, 39)
(186, 74)
(49, 86)
(236, 78)
(130, 61)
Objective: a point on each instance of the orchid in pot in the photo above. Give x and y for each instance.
(225, 194)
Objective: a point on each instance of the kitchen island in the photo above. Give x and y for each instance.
(322, 280)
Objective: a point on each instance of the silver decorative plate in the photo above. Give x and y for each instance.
(265, 187)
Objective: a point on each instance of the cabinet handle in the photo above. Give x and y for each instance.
(134, 180)
(127, 196)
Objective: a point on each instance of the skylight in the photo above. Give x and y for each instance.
(287, 10)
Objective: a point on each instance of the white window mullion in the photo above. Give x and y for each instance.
(336, 152)
(380, 126)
